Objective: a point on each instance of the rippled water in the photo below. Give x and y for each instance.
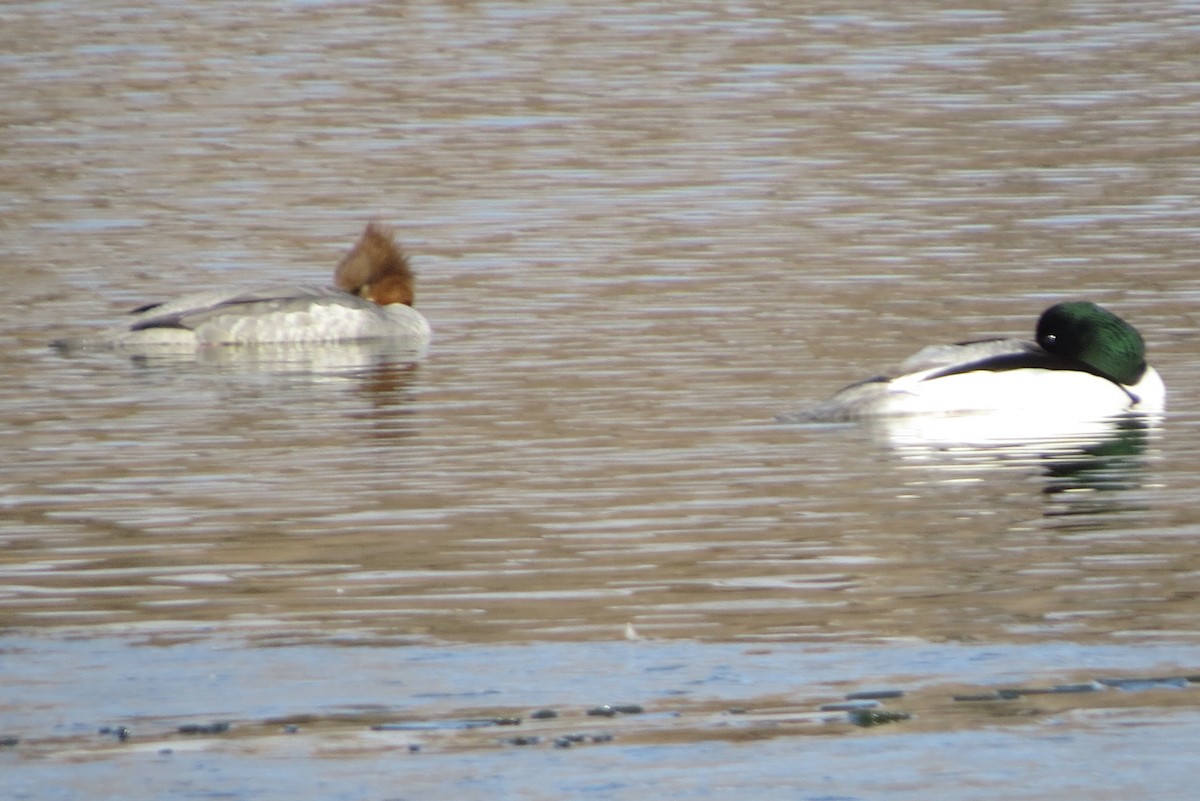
(642, 232)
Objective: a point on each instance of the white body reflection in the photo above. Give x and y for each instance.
(994, 433)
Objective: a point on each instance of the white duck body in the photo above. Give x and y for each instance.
(298, 314)
(1088, 364)
(1010, 375)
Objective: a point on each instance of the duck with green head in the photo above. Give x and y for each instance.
(1086, 362)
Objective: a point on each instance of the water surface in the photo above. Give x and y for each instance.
(641, 233)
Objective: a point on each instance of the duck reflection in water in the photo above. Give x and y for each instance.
(1091, 481)
(1089, 487)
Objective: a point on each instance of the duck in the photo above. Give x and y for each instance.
(371, 299)
(1085, 363)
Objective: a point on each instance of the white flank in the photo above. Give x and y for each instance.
(1049, 394)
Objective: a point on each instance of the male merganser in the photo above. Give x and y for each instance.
(371, 299)
(1087, 363)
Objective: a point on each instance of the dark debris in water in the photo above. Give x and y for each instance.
(220, 727)
(866, 710)
(1159, 683)
(1012, 693)
(530, 740)
(612, 710)
(630, 723)
(120, 732)
(866, 718)
(441, 725)
(568, 740)
(875, 695)
(1098, 685)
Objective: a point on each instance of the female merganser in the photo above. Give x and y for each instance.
(1087, 363)
(371, 299)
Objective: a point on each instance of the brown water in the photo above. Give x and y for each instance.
(642, 232)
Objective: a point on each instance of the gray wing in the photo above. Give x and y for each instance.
(269, 299)
(964, 353)
(861, 398)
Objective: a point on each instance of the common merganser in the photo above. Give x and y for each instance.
(371, 299)
(1086, 363)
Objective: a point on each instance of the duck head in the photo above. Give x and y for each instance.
(1096, 337)
(376, 269)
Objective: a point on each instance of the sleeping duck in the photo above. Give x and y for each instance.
(371, 299)
(1086, 363)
